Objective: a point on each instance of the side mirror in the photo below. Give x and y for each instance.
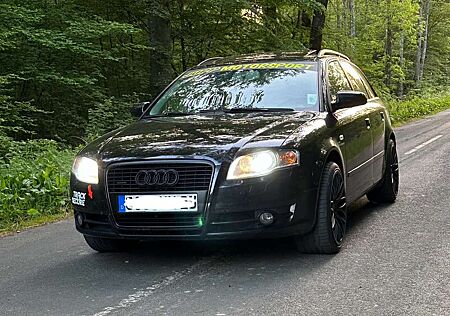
(138, 109)
(348, 99)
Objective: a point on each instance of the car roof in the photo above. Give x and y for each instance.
(306, 56)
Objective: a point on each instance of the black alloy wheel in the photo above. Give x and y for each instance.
(394, 170)
(331, 223)
(338, 207)
(386, 191)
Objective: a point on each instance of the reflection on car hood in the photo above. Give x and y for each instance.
(201, 135)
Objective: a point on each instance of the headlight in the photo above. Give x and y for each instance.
(261, 163)
(85, 170)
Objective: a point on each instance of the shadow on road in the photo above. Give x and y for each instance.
(359, 212)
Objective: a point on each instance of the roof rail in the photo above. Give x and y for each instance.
(208, 60)
(329, 52)
(311, 53)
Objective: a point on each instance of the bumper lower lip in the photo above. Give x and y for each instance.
(232, 225)
(262, 233)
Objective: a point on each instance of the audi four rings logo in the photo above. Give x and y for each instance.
(157, 177)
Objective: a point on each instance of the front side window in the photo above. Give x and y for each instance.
(356, 79)
(337, 80)
(245, 86)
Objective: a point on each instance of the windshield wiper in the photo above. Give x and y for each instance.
(246, 110)
(212, 111)
(171, 114)
(222, 111)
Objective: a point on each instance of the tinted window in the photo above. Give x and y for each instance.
(369, 89)
(356, 79)
(337, 79)
(262, 85)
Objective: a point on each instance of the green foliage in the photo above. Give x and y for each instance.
(61, 59)
(418, 106)
(65, 62)
(34, 180)
(12, 114)
(367, 47)
(110, 115)
(438, 62)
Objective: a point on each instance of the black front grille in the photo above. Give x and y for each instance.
(192, 177)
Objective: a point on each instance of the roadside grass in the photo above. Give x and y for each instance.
(18, 226)
(34, 175)
(418, 107)
(34, 181)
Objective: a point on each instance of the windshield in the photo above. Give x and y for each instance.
(274, 86)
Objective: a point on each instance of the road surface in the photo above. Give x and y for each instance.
(395, 261)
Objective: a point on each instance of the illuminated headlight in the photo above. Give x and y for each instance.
(85, 170)
(261, 163)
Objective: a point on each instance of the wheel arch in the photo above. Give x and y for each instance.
(391, 136)
(330, 151)
(335, 156)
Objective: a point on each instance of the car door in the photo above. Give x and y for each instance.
(354, 134)
(376, 116)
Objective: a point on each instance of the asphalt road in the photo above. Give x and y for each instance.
(396, 260)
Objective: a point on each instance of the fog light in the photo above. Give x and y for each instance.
(266, 218)
(80, 219)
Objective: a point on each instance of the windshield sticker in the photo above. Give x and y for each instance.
(311, 99)
(203, 71)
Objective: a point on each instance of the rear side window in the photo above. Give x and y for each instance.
(357, 80)
(337, 80)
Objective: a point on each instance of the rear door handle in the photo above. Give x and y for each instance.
(367, 123)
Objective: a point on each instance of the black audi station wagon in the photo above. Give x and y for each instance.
(255, 146)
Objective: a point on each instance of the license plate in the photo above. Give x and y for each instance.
(158, 203)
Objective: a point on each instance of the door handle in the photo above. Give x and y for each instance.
(382, 116)
(367, 123)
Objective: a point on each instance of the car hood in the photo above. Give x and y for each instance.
(213, 136)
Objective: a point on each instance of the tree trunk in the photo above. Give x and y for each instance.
(306, 19)
(400, 91)
(344, 16)
(297, 24)
(425, 39)
(315, 39)
(419, 44)
(338, 15)
(270, 21)
(388, 46)
(352, 18)
(271, 24)
(161, 45)
(182, 40)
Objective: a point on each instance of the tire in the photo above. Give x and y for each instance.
(387, 190)
(329, 231)
(107, 244)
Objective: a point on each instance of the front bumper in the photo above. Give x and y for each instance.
(231, 210)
